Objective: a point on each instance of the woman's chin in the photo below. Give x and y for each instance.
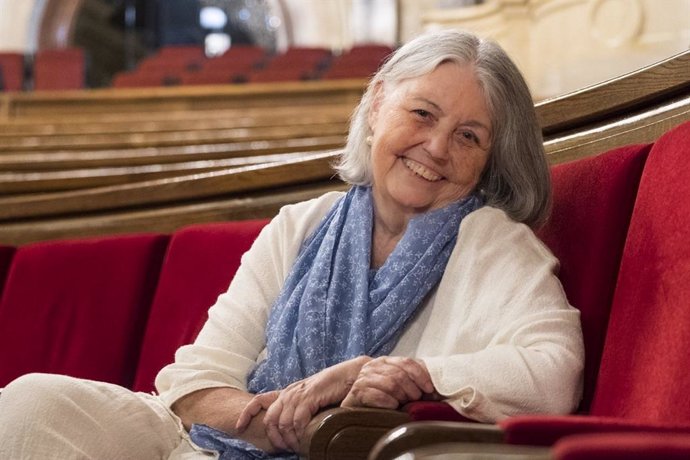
(414, 204)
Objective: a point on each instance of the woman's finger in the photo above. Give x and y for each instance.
(271, 422)
(254, 407)
(409, 374)
(287, 431)
(417, 372)
(387, 382)
(302, 417)
(370, 397)
(393, 382)
(286, 419)
(391, 378)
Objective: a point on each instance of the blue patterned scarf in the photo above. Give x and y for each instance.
(333, 307)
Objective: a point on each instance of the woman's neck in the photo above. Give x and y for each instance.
(388, 229)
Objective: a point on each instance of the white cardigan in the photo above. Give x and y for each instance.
(497, 335)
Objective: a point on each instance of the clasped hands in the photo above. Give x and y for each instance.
(385, 382)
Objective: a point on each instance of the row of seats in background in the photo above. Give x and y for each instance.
(187, 65)
(51, 69)
(59, 69)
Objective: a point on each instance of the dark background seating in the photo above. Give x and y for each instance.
(173, 65)
(11, 71)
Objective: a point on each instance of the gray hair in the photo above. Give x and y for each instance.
(516, 177)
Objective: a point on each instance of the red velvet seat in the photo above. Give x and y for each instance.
(297, 55)
(174, 57)
(375, 50)
(238, 56)
(160, 65)
(594, 200)
(623, 446)
(212, 77)
(297, 63)
(177, 65)
(231, 64)
(360, 61)
(58, 69)
(643, 381)
(277, 74)
(340, 70)
(181, 52)
(11, 71)
(365, 54)
(164, 68)
(201, 261)
(137, 79)
(79, 307)
(231, 67)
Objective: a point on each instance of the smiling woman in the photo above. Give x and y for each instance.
(467, 100)
(422, 281)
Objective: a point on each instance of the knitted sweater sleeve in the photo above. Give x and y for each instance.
(501, 338)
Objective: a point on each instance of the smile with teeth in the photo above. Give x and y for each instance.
(421, 171)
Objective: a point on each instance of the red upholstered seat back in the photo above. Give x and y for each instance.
(11, 71)
(58, 69)
(79, 307)
(644, 370)
(200, 263)
(623, 446)
(593, 201)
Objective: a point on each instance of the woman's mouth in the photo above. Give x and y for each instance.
(421, 170)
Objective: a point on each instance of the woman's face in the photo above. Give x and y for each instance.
(431, 138)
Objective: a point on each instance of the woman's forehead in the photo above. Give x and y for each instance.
(447, 86)
(445, 77)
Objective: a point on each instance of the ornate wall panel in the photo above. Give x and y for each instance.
(563, 45)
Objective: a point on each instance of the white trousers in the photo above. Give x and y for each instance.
(44, 416)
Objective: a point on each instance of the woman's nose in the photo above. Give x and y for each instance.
(437, 144)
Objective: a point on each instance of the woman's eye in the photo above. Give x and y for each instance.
(469, 137)
(422, 113)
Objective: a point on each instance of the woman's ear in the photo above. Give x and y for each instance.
(376, 101)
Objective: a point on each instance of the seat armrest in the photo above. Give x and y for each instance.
(340, 433)
(418, 434)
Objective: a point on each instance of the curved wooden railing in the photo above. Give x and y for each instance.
(123, 103)
(634, 108)
(249, 180)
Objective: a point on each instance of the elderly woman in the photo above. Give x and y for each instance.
(424, 280)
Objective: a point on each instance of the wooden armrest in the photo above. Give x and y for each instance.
(343, 433)
(418, 434)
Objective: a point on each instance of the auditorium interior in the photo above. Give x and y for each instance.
(148, 141)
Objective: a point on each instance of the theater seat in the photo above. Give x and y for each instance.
(642, 382)
(361, 61)
(11, 71)
(278, 74)
(199, 265)
(623, 446)
(79, 307)
(586, 231)
(60, 69)
(138, 79)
